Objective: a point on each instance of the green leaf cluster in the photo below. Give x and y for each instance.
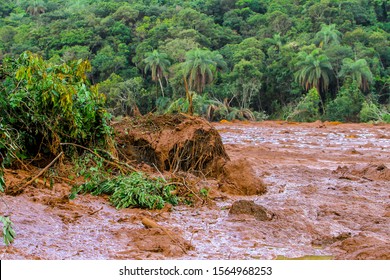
(8, 231)
(134, 190)
(308, 109)
(347, 105)
(48, 103)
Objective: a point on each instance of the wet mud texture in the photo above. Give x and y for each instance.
(328, 195)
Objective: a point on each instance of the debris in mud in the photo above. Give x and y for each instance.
(370, 172)
(326, 241)
(156, 238)
(362, 247)
(247, 207)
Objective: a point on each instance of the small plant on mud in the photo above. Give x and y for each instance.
(7, 147)
(204, 192)
(135, 190)
(8, 231)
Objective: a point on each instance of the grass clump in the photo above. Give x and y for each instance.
(132, 191)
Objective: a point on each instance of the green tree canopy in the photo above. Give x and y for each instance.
(328, 35)
(158, 64)
(200, 67)
(358, 71)
(314, 70)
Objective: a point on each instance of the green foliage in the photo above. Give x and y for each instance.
(372, 112)
(314, 70)
(158, 64)
(214, 110)
(135, 190)
(269, 46)
(8, 231)
(123, 97)
(358, 71)
(328, 34)
(308, 109)
(204, 192)
(347, 105)
(8, 148)
(49, 103)
(200, 67)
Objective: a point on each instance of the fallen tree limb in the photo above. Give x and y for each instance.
(43, 170)
(114, 162)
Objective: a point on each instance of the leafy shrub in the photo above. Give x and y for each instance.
(214, 110)
(8, 231)
(347, 105)
(307, 110)
(48, 103)
(7, 147)
(123, 96)
(372, 112)
(134, 190)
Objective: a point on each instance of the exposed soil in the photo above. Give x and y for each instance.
(328, 195)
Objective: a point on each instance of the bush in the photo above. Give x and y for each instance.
(307, 110)
(48, 104)
(134, 190)
(372, 112)
(347, 105)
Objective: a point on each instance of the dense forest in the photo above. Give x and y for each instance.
(244, 59)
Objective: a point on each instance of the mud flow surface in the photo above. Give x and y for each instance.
(328, 197)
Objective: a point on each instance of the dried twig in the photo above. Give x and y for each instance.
(94, 212)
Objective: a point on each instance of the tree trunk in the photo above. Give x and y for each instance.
(189, 97)
(161, 86)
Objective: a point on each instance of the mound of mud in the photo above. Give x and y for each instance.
(372, 172)
(172, 143)
(362, 247)
(156, 240)
(239, 178)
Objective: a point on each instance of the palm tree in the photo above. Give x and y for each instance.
(314, 71)
(199, 69)
(328, 34)
(36, 8)
(276, 41)
(358, 71)
(158, 64)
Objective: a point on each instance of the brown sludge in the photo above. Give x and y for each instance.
(324, 200)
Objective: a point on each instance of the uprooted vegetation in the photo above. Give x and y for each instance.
(182, 143)
(172, 143)
(54, 127)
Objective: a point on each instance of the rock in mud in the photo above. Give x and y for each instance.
(247, 207)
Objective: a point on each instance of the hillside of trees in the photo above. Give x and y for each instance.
(234, 59)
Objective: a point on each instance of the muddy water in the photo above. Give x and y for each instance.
(328, 190)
